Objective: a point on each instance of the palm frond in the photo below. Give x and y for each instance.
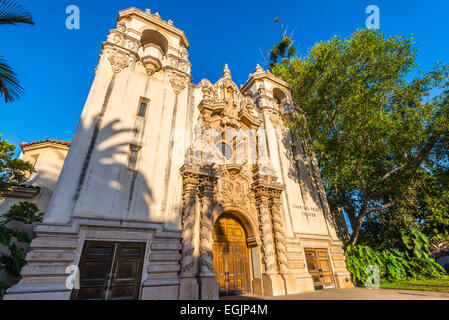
(14, 13)
(9, 85)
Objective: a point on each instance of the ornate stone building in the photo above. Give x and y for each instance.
(176, 190)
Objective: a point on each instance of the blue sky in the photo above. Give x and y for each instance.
(56, 65)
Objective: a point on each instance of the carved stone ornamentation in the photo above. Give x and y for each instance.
(275, 119)
(268, 194)
(132, 44)
(206, 188)
(115, 38)
(190, 189)
(184, 54)
(173, 61)
(278, 231)
(224, 106)
(121, 26)
(118, 60)
(178, 82)
(234, 190)
(266, 231)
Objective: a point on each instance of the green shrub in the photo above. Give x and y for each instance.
(412, 262)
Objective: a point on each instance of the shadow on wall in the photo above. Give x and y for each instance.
(105, 180)
(108, 186)
(306, 173)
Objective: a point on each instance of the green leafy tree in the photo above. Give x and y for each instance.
(371, 124)
(13, 172)
(11, 13)
(27, 213)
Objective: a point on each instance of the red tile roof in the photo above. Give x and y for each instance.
(64, 143)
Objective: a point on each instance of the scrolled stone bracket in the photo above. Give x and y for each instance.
(119, 58)
(178, 82)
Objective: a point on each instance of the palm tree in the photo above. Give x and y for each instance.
(11, 13)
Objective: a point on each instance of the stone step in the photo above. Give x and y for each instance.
(157, 256)
(52, 243)
(53, 269)
(295, 257)
(165, 245)
(296, 265)
(50, 256)
(158, 267)
(156, 276)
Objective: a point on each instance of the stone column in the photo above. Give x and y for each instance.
(266, 232)
(278, 231)
(188, 282)
(279, 239)
(272, 282)
(209, 287)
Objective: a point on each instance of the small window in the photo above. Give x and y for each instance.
(132, 157)
(143, 108)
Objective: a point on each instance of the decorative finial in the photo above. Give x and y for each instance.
(157, 15)
(170, 22)
(148, 11)
(226, 71)
(259, 69)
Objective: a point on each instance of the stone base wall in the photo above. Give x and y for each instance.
(341, 273)
(57, 247)
(298, 264)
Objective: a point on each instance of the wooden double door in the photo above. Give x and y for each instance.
(230, 262)
(110, 271)
(320, 268)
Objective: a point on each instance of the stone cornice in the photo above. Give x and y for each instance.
(159, 22)
(22, 192)
(261, 76)
(111, 45)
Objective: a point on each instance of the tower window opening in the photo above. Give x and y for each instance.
(132, 157)
(143, 108)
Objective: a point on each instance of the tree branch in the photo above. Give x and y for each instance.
(382, 207)
(359, 178)
(412, 164)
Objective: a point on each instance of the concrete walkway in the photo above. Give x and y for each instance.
(353, 294)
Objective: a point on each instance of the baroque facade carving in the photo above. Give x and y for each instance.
(190, 190)
(118, 60)
(178, 82)
(169, 206)
(206, 188)
(234, 190)
(278, 231)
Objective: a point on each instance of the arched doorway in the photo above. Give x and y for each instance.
(231, 261)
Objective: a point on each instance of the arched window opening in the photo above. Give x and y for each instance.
(155, 38)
